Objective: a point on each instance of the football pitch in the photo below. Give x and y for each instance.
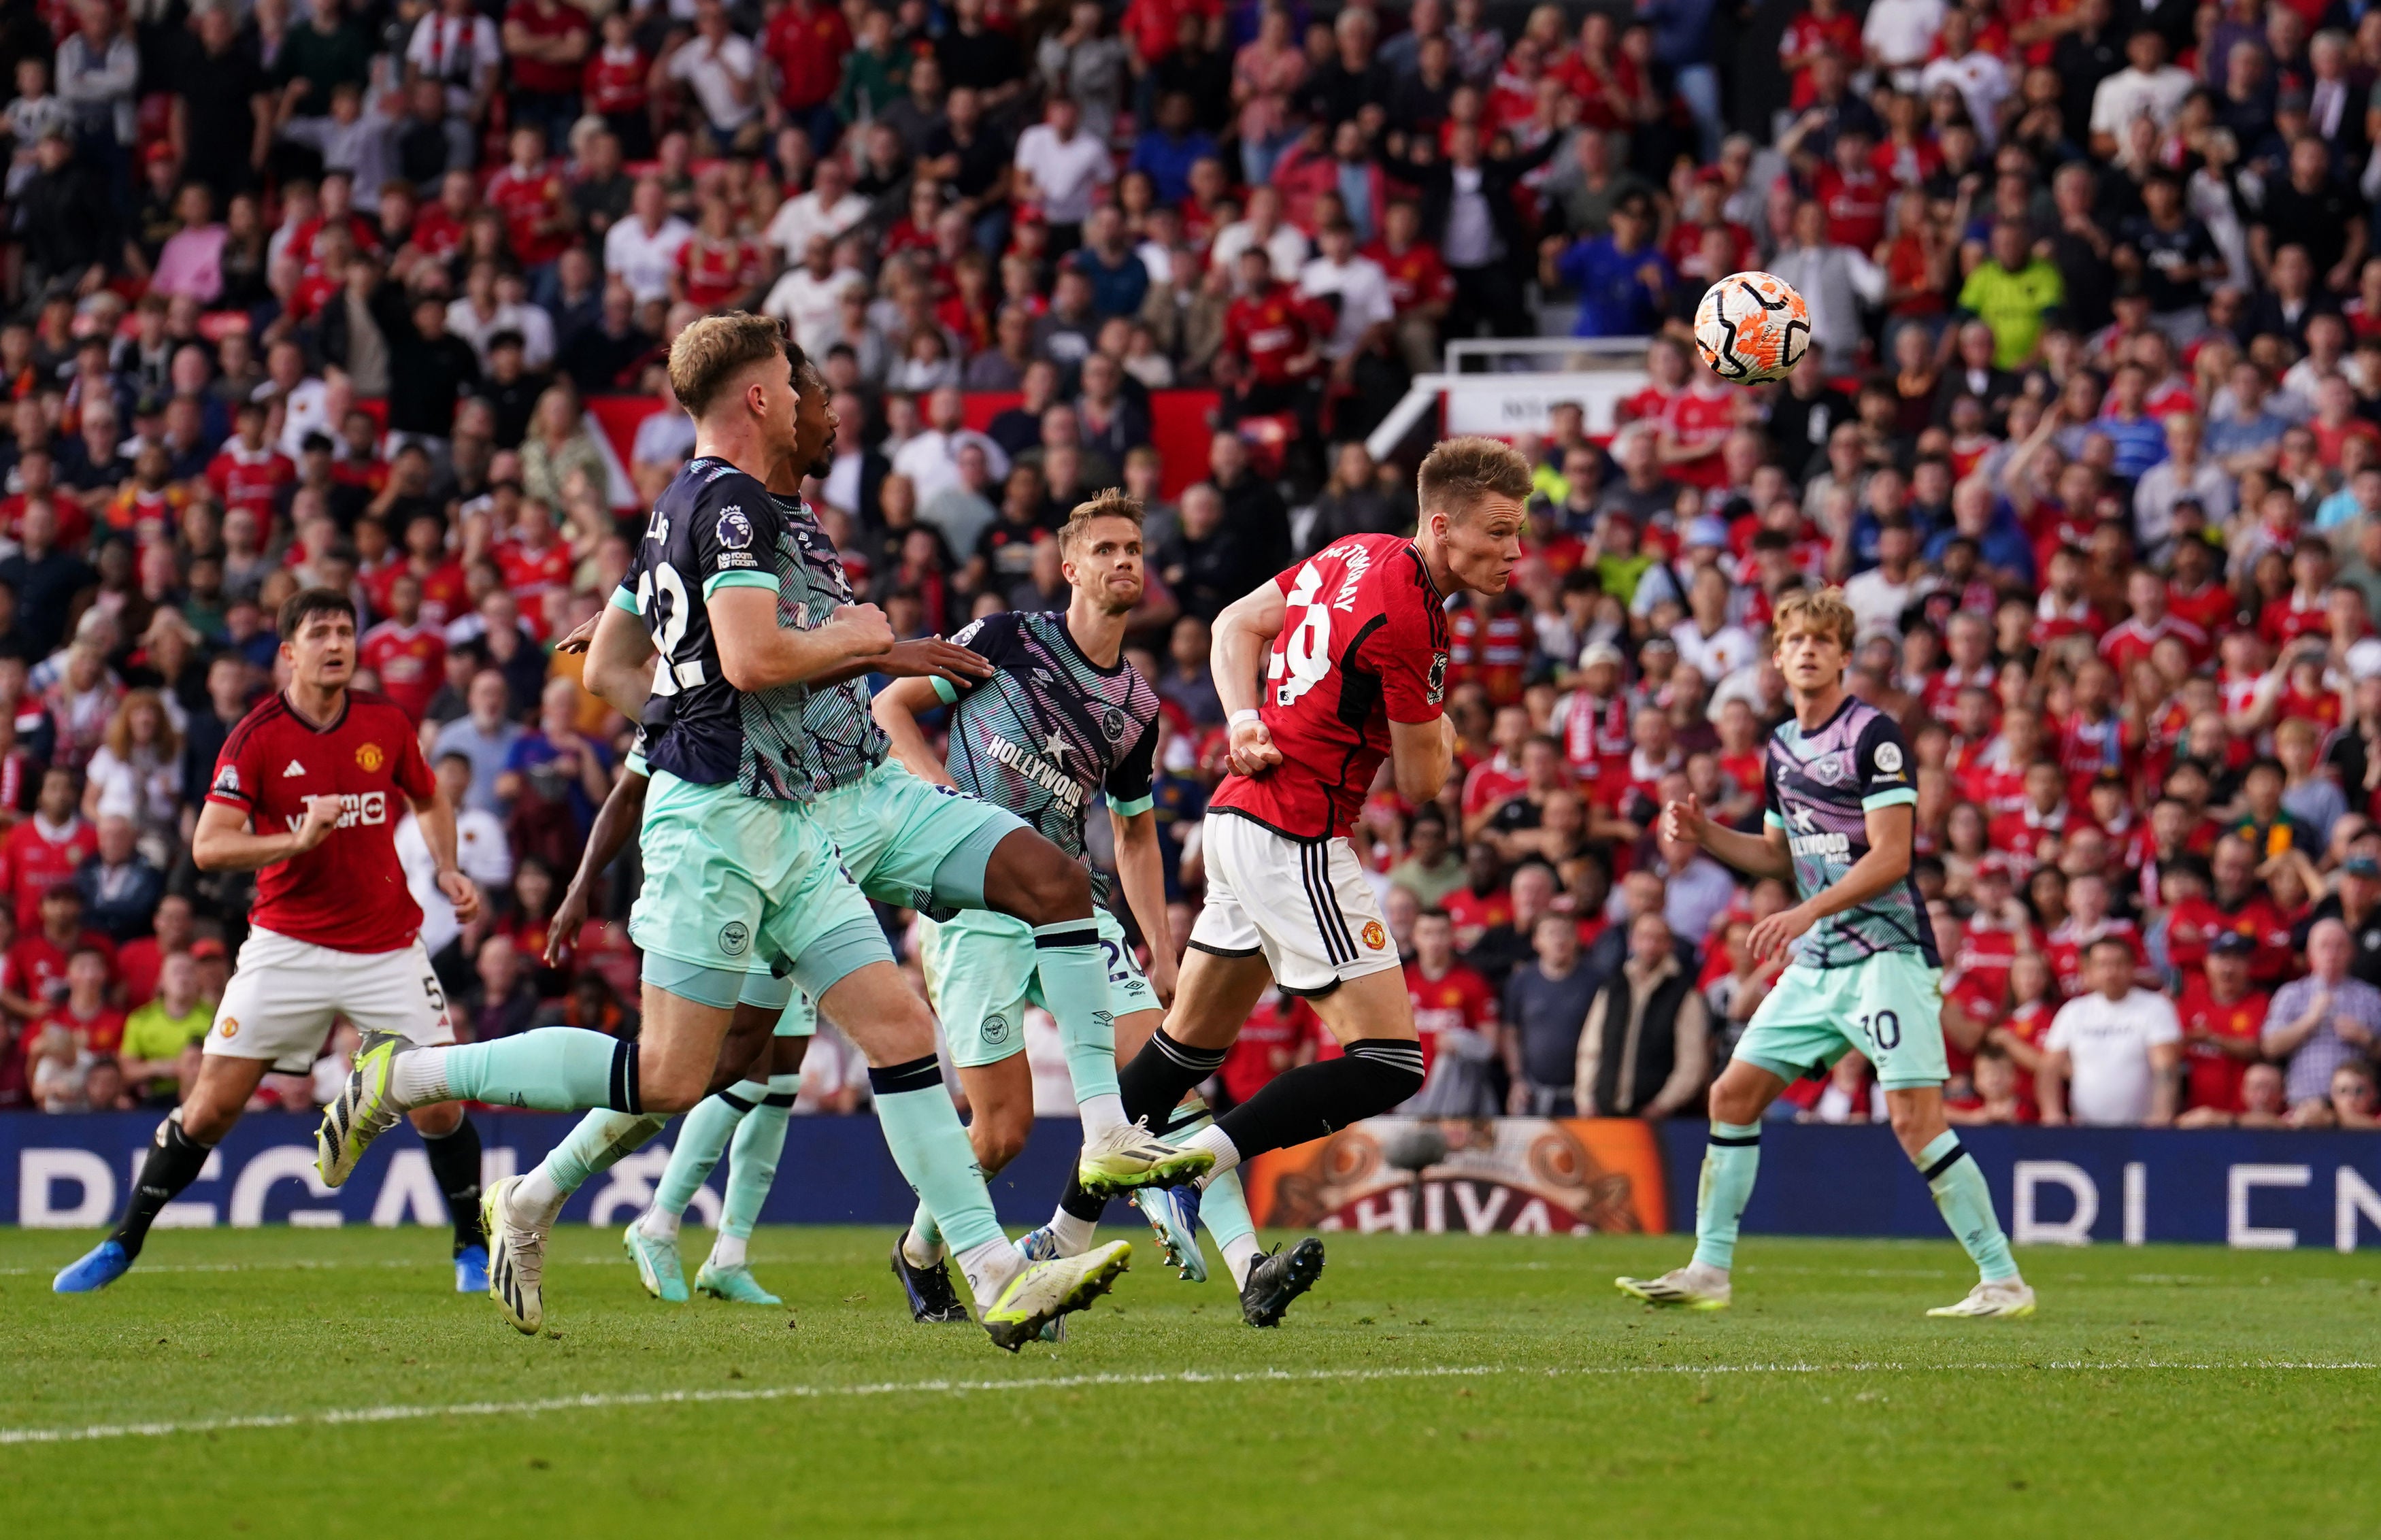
(290, 1381)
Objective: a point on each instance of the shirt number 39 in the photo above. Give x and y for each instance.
(1304, 655)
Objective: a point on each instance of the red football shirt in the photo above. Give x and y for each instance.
(615, 82)
(37, 965)
(560, 22)
(1417, 276)
(35, 864)
(1363, 643)
(410, 660)
(716, 272)
(525, 200)
(807, 44)
(348, 893)
(2216, 1076)
(538, 581)
(1267, 1046)
(251, 481)
(1269, 329)
(1459, 998)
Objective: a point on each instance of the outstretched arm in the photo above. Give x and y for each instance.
(1141, 866)
(619, 817)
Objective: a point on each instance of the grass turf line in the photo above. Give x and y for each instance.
(1432, 1384)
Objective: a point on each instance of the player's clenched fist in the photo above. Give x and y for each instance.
(871, 632)
(321, 817)
(1683, 822)
(1252, 751)
(464, 894)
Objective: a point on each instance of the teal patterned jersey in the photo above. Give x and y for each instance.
(1821, 786)
(840, 740)
(792, 742)
(1050, 729)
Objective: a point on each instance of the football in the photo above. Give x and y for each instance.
(1752, 327)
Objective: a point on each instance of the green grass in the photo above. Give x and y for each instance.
(1441, 1386)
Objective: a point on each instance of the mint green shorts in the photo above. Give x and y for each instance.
(734, 882)
(906, 841)
(1890, 1008)
(979, 976)
(914, 843)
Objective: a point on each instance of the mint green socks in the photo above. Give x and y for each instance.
(921, 1128)
(701, 1141)
(1067, 960)
(753, 1153)
(601, 1141)
(1967, 1204)
(552, 1069)
(1730, 1162)
(1223, 1207)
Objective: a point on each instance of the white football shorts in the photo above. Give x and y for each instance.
(283, 995)
(1301, 904)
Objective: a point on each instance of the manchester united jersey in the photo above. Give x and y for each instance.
(1363, 643)
(348, 892)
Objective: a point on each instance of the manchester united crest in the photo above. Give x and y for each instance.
(369, 758)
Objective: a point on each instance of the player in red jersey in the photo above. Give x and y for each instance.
(307, 793)
(407, 652)
(1352, 645)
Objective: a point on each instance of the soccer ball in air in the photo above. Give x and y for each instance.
(1752, 327)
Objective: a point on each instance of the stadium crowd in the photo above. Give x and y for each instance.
(2090, 433)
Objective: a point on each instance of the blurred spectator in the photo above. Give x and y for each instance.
(1547, 1003)
(2320, 1022)
(2111, 1056)
(1644, 1050)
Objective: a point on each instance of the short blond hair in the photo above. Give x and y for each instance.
(1113, 503)
(710, 352)
(1824, 612)
(1457, 474)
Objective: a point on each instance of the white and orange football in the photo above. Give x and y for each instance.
(1751, 328)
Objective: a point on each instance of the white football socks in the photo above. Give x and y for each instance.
(1240, 1255)
(419, 1077)
(989, 1267)
(1212, 1138)
(1101, 1114)
(1073, 1235)
(728, 1251)
(537, 1202)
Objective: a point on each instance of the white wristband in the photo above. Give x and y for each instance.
(1246, 713)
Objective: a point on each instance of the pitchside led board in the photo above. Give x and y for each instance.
(1526, 1176)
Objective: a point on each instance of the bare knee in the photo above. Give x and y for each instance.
(436, 1122)
(1916, 1124)
(664, 1086)
(1034, 881)
(786, 1054)
(1733, 1101)
(998, 1136)
(205, 1119)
